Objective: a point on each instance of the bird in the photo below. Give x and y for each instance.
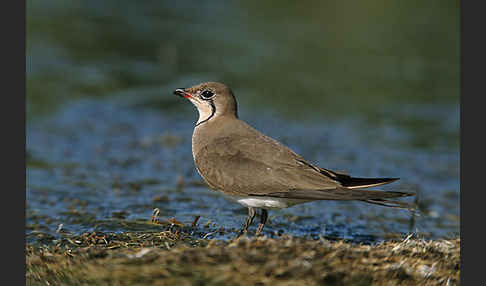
(258, 171)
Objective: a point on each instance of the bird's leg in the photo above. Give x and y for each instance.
(249, 220)
(263, 220)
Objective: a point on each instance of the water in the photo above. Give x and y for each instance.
(372, 94)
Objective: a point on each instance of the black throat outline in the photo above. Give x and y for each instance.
(213, 111)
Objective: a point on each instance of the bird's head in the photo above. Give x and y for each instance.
(212, 99)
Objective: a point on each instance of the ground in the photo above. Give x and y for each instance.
(175, 257)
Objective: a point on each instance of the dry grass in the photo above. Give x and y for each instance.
(171, 258)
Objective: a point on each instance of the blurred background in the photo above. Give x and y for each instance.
(366, 87)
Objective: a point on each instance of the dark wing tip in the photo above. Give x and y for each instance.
(351, 182)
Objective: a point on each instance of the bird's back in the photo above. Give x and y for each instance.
(234, 157)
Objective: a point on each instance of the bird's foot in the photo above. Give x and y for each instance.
(259, 229)
(241, 232)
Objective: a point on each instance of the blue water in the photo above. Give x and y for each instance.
(370, 88)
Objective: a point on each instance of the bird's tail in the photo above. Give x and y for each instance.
(383, 198)
(392, 204)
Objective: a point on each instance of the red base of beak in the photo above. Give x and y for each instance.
(182, 93)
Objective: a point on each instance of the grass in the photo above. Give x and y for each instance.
(175, 257)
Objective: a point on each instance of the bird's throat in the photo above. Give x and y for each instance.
(206, 112)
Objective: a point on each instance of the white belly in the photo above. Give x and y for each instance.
(267, 202)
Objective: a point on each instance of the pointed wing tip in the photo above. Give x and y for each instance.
(354, 183)
(389, 180)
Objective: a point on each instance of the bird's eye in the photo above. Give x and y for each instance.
(207, 94)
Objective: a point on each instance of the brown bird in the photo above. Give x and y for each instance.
(260, 172)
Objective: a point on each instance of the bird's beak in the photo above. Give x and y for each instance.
(182, 93)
